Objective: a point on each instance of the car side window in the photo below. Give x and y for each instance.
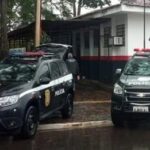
(44, 71)
(63, 68)
(55, 72)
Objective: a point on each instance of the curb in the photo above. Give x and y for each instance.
(92, 102)
(74, 125)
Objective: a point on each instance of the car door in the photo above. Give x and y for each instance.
(56, 83)
(46, 92)
(64, 84)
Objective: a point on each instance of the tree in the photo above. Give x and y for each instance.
(72, 8)
(3, 28)
(136, 2)
(60, 8)
(77, 5)
(22, 12)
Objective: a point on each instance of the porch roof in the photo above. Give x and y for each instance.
(55, 26)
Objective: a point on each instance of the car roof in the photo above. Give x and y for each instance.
(53, 60)
(55, 45)
(30, 57)
(61, 50)
(144, 54)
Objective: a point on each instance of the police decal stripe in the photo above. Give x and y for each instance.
(68, 77)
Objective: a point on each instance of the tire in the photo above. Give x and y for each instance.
(132, 124)
(117, 119)
(67, 110)
(30, 122)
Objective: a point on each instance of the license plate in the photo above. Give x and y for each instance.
(140, 109)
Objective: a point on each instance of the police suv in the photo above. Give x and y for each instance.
(131, 93)
(33, 85)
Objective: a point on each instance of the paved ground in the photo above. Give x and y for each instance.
(84, 112)
(92, 103)
(104, 138)
(92, 91)
(92, 138)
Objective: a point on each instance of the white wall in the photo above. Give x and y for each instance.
(136, 31)
(133, 35)
(115, 50)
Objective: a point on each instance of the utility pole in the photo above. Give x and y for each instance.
(144, 43)
(38, 23)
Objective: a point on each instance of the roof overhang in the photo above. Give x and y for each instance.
(57, 26)
(114, 9)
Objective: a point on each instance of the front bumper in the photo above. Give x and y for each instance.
(11, 119)
(126, 109)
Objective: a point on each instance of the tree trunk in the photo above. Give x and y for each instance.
(74, 9)
(0, 25)
(79, 7)
(4, 40)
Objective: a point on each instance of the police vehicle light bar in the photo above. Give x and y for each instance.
(142, 49)
(32, 54)
(40, 53)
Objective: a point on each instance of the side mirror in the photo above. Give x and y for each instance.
(44, 80)
(118, 71)
(117, 74)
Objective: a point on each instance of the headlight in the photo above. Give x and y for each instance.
(9, 100)
(118, 89)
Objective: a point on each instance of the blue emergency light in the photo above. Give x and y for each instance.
(29, 54)
(16, 54)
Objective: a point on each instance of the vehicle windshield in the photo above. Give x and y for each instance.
(139, 66)
(17, 72)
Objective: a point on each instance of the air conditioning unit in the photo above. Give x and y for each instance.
(118, 41)
(115, 41)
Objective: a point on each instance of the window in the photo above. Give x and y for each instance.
(86, 40)
(120, 31)
(96, 38)
(63, 68)
(55, 72)
(44, 71)
(107, 34)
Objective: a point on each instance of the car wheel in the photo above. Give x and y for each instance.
(117, 120)
(67, 110)
(30, 122)
(132, 124)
